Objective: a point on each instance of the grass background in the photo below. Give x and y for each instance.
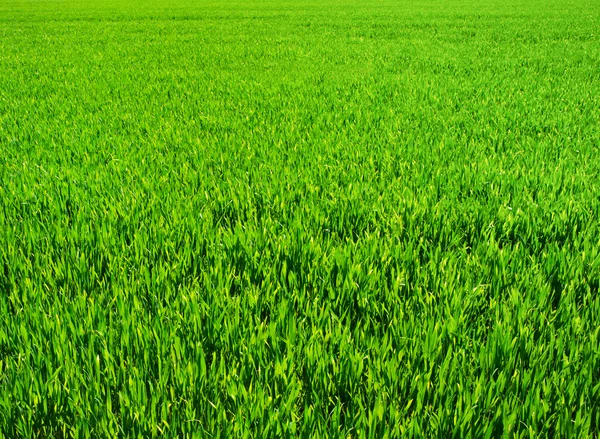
(276, 219)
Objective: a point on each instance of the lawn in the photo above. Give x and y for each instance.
(269, 218)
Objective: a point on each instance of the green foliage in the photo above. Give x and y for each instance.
(317, 219)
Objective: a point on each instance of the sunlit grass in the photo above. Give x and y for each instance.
(316, 219)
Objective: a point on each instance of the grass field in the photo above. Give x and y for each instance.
(300, 218)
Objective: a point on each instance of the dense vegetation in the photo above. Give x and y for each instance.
(280, 218)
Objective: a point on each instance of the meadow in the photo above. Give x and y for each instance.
(276, 218)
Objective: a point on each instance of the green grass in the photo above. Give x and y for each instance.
(318, 218)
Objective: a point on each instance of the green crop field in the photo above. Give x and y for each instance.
(313, 218)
